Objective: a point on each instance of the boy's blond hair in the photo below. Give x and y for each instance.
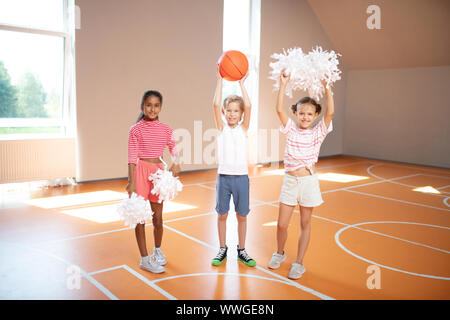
(234, 98)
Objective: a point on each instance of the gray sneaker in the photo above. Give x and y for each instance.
(160, 258)
(297, 270)
(276, 260)
(149, 263)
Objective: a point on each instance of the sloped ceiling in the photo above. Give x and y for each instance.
(413, 33)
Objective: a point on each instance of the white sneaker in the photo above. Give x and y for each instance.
(276, 260)
(149, 263)
(296, 272)
(160, 258)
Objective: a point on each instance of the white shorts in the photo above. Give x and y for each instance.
(304, 191)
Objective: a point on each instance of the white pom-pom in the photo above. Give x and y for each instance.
(134, 210)
(306, 71)
(166, 186)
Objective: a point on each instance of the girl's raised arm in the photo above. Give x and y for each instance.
(330, 105)
(218, 102)
(279, 108)
(247, 104)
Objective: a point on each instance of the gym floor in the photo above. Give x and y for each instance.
(375, 237)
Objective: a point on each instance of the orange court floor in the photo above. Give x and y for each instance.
(383, 232)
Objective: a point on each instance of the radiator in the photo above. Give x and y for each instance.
(37, 159)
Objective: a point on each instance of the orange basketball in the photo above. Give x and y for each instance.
(233, 65)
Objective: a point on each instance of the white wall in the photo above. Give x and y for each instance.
(399, 114)
(286, 24)
(127, 47)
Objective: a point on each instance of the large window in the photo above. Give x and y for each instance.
(241, 31)
(36, 68)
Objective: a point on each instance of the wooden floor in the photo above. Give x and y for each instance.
(67, 242)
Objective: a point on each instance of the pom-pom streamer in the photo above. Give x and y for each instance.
(134, 210)
(165, 185)
(306, 70)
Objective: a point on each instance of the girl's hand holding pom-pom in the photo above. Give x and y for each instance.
(175, 169)
(165, 184)
(131, 188)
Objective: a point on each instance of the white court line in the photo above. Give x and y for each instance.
(121, 229)
(150, 283)
(206, 187)
(140, 277)
(253, 206)
(265, 175)
(338, 242)
(400, 183)
(398, 200)
(446, 201)
(256, 205)
(83, 273)
(221, 274)
(309, 290)
(369, 183)
(443, 187)
(368, 230)
(411, 167)
(105, 270)
(281, 280)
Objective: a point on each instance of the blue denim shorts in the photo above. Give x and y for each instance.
(236, 185)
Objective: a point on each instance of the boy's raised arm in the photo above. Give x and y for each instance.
(247, 104)
(218, 102)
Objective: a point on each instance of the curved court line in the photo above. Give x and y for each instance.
(368, 230)
(301, 287)
(446, 201)
(415, 168)
(149, 283)
(338, 242)
(370, 183)
(222, 274)
(368, 170)
(83, 273)
(398, 200)
(283, 281)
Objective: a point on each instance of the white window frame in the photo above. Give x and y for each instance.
(68, 102)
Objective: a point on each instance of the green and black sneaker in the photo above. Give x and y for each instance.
(245, 258)
(220, 257)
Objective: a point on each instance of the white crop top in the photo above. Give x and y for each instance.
(232, 150)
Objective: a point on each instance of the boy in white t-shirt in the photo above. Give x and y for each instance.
(232, 178)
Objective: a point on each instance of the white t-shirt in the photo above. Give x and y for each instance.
(232, 150)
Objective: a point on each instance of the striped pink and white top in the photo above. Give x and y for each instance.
(148, 139)
(303, 145)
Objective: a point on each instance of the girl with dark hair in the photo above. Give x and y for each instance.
(300, 183)
(147, 140)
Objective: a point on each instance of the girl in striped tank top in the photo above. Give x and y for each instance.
(147, 140)
(300, 183)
